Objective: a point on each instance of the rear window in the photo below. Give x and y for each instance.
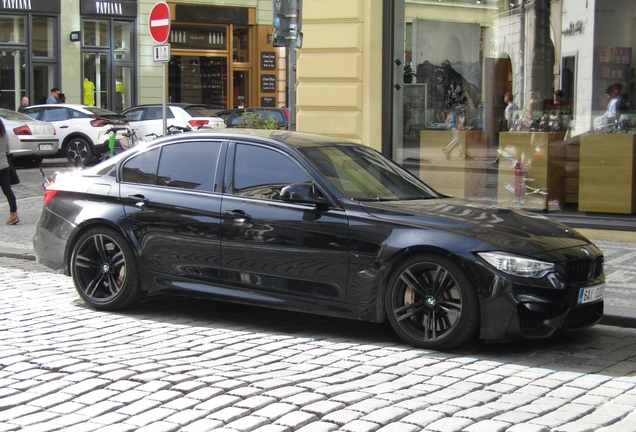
(14, 115)
(200, 111)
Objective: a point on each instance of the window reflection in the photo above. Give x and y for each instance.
(43, 36)
(94, 32)
(122, 40)
(240, 52)
(12, 29)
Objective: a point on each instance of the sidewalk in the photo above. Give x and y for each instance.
(619, 248)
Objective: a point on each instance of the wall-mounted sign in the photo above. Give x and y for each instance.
(268, 60)
(268, 102)
(30, 5)
(268, 83)
(211, 14)
(122, 8)
(193, 37)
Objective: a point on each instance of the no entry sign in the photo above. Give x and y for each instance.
(159, 22)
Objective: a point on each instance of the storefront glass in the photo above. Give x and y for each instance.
(519, 103)
(12, 78)
(240, 47)
(198, 79)
(95, 33)
(96, 80)
(12, 29)
(43, 37)
(122, 39)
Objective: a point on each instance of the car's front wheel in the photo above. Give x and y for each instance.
(104, 270)
(79, 152)
(431, 303)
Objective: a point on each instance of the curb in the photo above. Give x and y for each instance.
(615, 316)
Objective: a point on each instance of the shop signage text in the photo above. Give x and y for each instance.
(111, 8)
(31, 5)
(211, 14)
(268, 60)
(268, 83)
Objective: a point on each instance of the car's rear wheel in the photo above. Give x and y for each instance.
(104, 270)
(79, 152)
(431, 303)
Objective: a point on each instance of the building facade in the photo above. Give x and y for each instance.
(526, 103)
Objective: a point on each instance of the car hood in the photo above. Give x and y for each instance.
(503, 228)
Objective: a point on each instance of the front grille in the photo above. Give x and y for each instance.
(582, 270)
(578, 270)
(599, 266)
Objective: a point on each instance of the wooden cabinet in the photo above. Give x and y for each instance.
(548, 154)
(607, 173)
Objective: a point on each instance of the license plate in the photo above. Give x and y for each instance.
(587, 295)
(45, 147)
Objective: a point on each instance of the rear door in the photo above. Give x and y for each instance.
(172, 204)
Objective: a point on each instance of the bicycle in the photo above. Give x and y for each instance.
(171, 130)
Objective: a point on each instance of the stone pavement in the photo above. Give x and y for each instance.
(180, 364)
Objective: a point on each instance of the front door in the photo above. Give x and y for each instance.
(272, 245)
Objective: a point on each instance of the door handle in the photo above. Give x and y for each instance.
(139, 199)
(237, 215)
(63, 127)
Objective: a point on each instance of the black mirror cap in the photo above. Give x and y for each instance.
(303, 193)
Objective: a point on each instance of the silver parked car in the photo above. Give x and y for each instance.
(29, 140)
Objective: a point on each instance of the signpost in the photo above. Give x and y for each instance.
(159, 26)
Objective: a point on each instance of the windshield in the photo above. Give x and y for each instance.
(363, 174)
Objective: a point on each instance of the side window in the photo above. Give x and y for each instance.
(134, 115)
(189, 165)
(33, 113)
(141, 168)
(55, 114)
(262, 173)
(156, 113)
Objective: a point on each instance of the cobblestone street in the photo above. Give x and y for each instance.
(177, 363)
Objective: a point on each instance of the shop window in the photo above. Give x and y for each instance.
(240, 50)
(198, 79)
(96, 80)
(12, 78)
(95, 33)
(122, 39)
(43, 37)
(12, 29)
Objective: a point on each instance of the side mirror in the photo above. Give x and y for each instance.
(302, 193)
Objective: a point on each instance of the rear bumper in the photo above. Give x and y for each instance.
(38, 147)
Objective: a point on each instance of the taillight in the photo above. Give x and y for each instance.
(287, 114)
(22, 130)
(49, 193)
(100, 122)
(198, 123)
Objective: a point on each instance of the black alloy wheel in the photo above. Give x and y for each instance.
(431, 303)
(104, 270)
(79, 152)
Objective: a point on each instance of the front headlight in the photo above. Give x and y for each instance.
(517, 265)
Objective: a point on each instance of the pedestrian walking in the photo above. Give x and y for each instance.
(55, 94)
(456, 124)
(5, 176)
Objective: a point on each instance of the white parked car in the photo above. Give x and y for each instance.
(147, 120)
(84, 131)
(29, 140)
